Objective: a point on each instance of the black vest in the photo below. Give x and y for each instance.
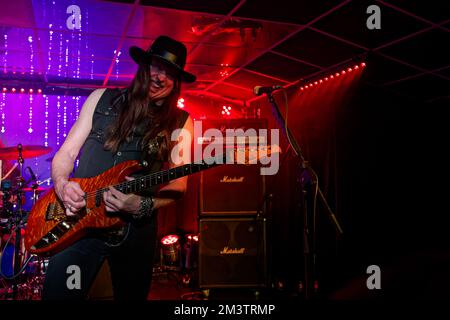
(95, 159)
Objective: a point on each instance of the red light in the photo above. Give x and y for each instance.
(169, 239)
(337, 74)
(363, 64)
(13, 90)
(180, 103)
(192, 237)
(349, 69)
(343, 72)
(331, 77)
(4, 89)
(22, 90)
(320, 81)
(30, 91)
(306, 86)
(39, 90)
(356, 67)
(301, 88)
(311, 84)
(326, 78)
(315, 82)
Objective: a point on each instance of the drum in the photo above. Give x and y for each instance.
(7, 258)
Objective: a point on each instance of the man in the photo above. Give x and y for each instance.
(115, 126)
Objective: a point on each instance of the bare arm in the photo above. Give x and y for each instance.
(62, 165)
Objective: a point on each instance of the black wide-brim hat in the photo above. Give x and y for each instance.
(168, 50)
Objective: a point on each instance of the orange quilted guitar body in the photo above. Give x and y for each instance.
(49, 230)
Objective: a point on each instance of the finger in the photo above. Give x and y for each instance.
(74, 204)
(106, 195)
(110, 201)
(76, 188)
(117, 194)
(71, 193)
(70, 213)
(111, 209)
(77, 206)
(75, 196)
(116, 203)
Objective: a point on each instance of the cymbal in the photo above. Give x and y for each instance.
(11, 153)
(38, 189)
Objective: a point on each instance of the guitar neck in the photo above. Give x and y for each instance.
(160, 177)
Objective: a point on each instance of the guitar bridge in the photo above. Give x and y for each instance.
(55, 211)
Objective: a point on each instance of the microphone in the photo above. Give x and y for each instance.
(259, 90)
(33, 176)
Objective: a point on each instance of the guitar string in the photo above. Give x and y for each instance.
(141, 181)
(158, 176)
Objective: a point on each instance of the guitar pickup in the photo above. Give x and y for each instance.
(98, 198)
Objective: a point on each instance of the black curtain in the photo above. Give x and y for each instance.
(379, 162)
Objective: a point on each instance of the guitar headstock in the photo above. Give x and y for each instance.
(251, 154)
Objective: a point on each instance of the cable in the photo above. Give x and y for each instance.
(1, 259)
(286, 121)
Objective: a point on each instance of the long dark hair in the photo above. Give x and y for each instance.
(137, 110)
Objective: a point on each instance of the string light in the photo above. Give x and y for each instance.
(2, 112)
(66, 59)
(50, 41)
(65, 117)
(117, 63)
(46, 122)
(92, 67)
(5, 55)
(332, 76)
(60, 53)
(30, 115)
(30, 41)
(58, 116)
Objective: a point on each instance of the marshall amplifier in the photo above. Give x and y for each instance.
(232, 252)
(231, 189)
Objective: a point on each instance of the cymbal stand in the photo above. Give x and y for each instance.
(17, 221)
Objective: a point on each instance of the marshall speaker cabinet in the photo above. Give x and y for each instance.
(232, 252)
(231, 189)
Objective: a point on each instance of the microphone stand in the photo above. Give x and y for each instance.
(308, 181)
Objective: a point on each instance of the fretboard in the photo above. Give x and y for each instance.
(160, 177)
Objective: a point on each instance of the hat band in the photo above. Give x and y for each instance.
(168, 56)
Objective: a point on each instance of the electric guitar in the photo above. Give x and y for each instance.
(49, 230)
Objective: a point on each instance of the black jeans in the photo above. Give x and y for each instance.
(131, 265)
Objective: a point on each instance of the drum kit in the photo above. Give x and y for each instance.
(21, 273)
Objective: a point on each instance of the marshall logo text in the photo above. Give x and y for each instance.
(227, 250)
(232, 179)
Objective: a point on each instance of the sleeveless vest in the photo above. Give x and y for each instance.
(95, 159)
